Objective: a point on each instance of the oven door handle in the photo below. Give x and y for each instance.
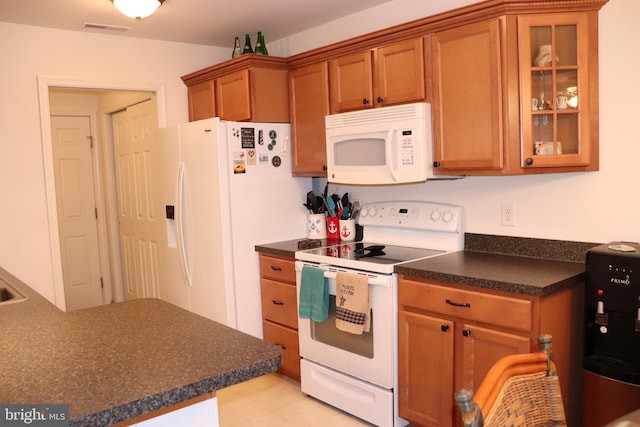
(373, 280)
(385, 281)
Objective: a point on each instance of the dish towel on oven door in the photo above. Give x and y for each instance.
(352, 303)
(314, 295)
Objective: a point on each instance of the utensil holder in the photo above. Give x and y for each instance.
(316, 226)
(347, 230)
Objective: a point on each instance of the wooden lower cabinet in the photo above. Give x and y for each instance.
(286, 338)
(425, 369)
(280, 310)
(450, 335)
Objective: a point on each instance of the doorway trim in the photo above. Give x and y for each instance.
(44, 84)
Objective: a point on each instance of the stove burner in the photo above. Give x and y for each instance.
(374, 250)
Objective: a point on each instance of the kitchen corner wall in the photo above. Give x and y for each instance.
(111, 61)
(589, 207)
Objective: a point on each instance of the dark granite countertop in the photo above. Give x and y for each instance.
(116, 362)
(517, 274)
(286, 249)
(521, 265)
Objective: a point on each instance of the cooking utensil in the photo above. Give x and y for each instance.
(345, 206)
(355, 210)
(337, 204)
(319, 204)
(331, 205)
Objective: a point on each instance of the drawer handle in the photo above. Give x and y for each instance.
(275, 268)
(458, 304)
(276, 302)
(281, 346)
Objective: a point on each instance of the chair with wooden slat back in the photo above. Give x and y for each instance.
(520, 390)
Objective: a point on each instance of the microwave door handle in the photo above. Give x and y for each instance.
(390, 153)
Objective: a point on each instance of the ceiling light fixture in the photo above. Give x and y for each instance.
(137, 9)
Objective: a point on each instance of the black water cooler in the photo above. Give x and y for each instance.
(611, 377)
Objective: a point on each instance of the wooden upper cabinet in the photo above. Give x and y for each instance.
(400, 72)
(500, 110)
(467, 97)
(202, 100)
(309, 104)
(233, 96)
(248, 88)
(387, 75)
(558, 71)
(351, 82)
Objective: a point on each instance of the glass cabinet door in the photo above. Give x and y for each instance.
(553, 79)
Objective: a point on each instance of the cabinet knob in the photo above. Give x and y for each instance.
(365, 101)
(444, 328)
(379, 100)
(529, 161)
(436, 164)
(466, 332)
(324, 168)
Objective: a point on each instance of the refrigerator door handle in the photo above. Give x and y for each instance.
(181, 230)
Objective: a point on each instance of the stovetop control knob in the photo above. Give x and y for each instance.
(372, 211)
(435, 215)
(447, 216)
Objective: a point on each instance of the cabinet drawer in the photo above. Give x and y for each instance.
(279, 303)
(498, 310)
(288, 340)
(281, 269)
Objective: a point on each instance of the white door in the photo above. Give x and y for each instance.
(77, 222)
(133, 133)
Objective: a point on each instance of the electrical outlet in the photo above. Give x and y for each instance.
(508, 215)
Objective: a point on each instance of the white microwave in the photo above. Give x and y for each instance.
(380, 146)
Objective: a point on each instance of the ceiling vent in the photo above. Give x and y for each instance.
(92, 26)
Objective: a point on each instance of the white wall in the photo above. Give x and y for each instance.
(377, 18)
(591, 207)
(31, 52)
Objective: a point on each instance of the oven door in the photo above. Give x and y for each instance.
(369, 356)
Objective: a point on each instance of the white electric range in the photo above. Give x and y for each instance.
(359, 373)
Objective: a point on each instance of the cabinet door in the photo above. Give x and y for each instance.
(556, 74)
(425, 369)
(481, 349)
(351, 79)
(400, 73)
(287, 339)
(233, 96)
(309, 103)
(202, 100)
(467, 97)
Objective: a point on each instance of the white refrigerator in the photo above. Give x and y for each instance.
(223, 187)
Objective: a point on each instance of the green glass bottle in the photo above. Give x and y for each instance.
(237, 49)
(261, 48)
(247, 45)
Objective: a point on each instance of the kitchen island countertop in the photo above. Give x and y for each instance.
(118, 361)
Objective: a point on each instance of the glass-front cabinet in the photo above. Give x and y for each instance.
(555, 84)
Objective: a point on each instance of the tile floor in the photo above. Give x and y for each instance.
(276, 401)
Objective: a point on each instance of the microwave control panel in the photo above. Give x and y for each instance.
(407, 147)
